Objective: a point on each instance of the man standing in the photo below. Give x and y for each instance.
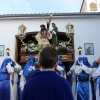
(43, 36)
(46, 84)
(54, 34)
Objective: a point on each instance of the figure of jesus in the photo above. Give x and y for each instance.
(43, 36)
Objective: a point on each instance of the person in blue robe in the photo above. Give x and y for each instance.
(46, 84)
(83, 72)
(24, 73)
(6, 72)
(73, 78)
(30, 63)
(95, 64)
(96, 79)
(93, 82)
(32, 73)
(60, 70)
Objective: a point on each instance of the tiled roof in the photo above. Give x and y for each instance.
(48, 14)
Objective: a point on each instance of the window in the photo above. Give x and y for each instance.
(93, 7)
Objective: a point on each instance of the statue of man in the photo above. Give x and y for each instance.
(54, 39)
(43, 36)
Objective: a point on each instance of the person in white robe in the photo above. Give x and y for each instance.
(60, 70)
(17, 69)
(96, 76)
(24, 72)
(43, 36)
(83, 72)
(73, 78)
(93, 81)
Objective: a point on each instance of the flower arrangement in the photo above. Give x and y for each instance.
(31, 46)
(61, 47)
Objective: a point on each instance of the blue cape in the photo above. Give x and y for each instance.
(5, 80)
(36, 59)
(79, 59)
(30, 62)
(85, 61)
(5, 62)
(95, 64)
(60, 62)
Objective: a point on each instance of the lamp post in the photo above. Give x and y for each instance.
(22, 33)
(8, 51)
(69, 31)
(79, 50)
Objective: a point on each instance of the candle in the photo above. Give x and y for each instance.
(47, 21)
(51, 15)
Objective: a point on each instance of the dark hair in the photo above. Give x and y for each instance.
(36, 66)
(48, 57)
(53, 23)
(42, 25)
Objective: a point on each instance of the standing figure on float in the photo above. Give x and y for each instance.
(83, 72)
(8, 88)
(43, 36)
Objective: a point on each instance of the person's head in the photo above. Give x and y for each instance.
(36, 66)
(98, 60)
(53, 24)
(48, 58)
(42, 27)
(95, 64)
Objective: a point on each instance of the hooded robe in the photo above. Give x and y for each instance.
(60, 70)
(96, 76)
(83, 72)
(6, 80)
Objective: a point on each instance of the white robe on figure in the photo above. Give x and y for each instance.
(95, 75)
(10, 71)
(22, 80)
(61, 70)
(17, 69)
(73, 80)
(42, 40)
(78, 71)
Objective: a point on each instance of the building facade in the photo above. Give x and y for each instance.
(90, 6)
(86, 30)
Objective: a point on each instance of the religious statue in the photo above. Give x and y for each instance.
(43, 36)
(54, 39)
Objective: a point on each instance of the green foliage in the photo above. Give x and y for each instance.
(39, 47)
(61, 47)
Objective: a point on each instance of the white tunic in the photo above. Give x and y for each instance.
(10, 70)
(95, 76)
(73, 80)
(42, 40)
(17, 69)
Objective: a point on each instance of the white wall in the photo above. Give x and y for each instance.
(87, 30)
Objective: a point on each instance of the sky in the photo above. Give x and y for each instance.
(39, 6)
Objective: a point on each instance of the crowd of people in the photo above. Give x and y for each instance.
(45, 78)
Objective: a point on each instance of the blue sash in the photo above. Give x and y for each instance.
(83, 87)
